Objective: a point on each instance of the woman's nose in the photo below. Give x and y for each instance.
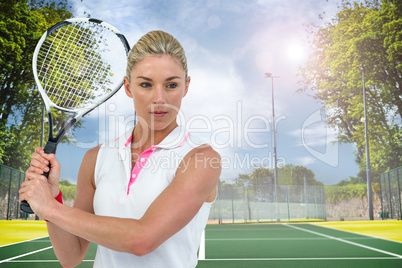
(158, 96)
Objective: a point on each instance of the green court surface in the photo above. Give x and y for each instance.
(251, 245)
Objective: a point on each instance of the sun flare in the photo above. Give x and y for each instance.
(295, 52)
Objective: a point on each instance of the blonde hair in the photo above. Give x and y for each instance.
(156, 43)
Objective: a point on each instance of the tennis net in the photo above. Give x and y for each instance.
(265, 202)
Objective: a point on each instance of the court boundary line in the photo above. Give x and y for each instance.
(344, 241)
(26, 254)
(30, 240)
(47, 261)
(350, 232)
(305, 259)
(245, 259)
(280, 239)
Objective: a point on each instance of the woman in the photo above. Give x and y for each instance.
(139, 206)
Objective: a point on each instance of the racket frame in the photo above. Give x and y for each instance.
(80, 112)
(52, 142)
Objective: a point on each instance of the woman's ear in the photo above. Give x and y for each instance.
(127, 87)
(187, 86)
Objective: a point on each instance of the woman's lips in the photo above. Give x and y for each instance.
(158, 113)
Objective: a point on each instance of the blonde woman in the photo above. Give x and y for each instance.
(144, 198)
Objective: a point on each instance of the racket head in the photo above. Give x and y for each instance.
(78, 64)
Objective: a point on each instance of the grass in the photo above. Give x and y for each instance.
(390, 229)
(21, 230)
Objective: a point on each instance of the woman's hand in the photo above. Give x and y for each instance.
(37, 189)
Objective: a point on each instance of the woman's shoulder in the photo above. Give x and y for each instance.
(206, 152)
(91, 155)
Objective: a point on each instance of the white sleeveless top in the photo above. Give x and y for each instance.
(126, 192)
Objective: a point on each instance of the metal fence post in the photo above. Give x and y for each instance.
(9, 197)
(382, 196)
(390, 197)
(399, 192)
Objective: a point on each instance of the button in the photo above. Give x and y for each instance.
(133, 176)
(142, 159)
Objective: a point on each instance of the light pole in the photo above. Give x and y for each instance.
(269, 75)
(369, 190)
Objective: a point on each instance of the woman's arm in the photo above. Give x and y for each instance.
(69, 249)
(195, 182)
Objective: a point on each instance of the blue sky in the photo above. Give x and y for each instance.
(230, 45)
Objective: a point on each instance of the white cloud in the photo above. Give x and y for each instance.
(227, 61)
(315, 135)
(305, 161)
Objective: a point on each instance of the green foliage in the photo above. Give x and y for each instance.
(365, 34)
(287, 175)
(68, 189)
(351, 180)
(300, 173)
(65, 183)
(335, 193)
(22, 23)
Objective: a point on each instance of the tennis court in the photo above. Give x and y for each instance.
(251, 245)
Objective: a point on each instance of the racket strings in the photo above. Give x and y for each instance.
(51, 46)
(70, 88)
(51, 89)
(75, 65)
(95, 68)
(73, 93)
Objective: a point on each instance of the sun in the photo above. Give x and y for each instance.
(296, 52)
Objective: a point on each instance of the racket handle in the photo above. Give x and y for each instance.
(50, 148)
(25, 207)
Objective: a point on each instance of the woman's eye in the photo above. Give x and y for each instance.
(172, 85)
(145, 85)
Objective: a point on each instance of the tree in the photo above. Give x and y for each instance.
(351, 180)
(263, 176)
(287, 175)
(362, 34)
(22, 23)
(301, 175)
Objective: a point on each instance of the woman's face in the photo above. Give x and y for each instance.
(157, 86)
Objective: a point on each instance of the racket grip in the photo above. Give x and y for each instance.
(50, 148)
(25, 207)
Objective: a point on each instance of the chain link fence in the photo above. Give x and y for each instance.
(10, 181)
(391, 191)
(265, 203)
(234, 204)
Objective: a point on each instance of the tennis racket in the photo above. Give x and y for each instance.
(77, 64)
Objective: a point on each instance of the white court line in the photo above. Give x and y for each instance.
(26, 254)
(247, 259)
(242, 229)
(28, 261)
(344, 241)
(304, 259)
(350, 232)
(282, 239)
(201, 251)
(31, 240)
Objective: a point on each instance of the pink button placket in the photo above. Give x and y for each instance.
(141, 162)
